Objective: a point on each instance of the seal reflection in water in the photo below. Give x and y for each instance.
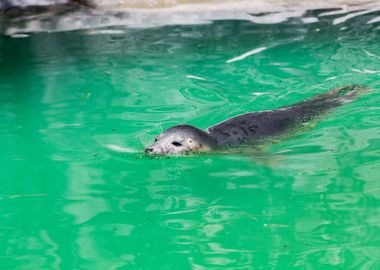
(246, 128)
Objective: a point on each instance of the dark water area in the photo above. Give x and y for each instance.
(78, 107)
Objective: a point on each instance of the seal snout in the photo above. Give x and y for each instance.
(148, 150)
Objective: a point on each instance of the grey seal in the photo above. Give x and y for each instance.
(249, 127)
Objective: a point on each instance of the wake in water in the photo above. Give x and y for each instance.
(121, 149)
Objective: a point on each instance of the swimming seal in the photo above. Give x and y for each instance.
(246, 128)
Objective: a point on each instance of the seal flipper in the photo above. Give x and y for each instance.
(335, 97)
(349, 92)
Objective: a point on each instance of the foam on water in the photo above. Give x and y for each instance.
(144, 14)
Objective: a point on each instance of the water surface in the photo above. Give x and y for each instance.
(78, 107)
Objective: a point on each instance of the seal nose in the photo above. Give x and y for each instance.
(148, 150)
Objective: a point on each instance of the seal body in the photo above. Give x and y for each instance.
(246, 128)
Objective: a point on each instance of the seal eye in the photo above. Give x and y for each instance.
(176, 144)
(155, 140)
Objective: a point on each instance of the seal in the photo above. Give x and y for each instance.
(249, 127)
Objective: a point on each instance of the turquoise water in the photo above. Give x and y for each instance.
(77, 109)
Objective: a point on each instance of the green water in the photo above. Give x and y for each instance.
(77, 192)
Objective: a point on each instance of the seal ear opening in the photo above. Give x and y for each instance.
(190, 141)
(193, 144)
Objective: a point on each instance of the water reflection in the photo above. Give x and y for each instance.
(311, 201)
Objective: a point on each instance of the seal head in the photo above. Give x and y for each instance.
(181, 139)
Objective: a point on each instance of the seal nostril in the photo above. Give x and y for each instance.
(148, 150)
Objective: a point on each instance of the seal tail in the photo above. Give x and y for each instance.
(342, 94)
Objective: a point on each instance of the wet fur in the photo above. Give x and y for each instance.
(256, 125)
